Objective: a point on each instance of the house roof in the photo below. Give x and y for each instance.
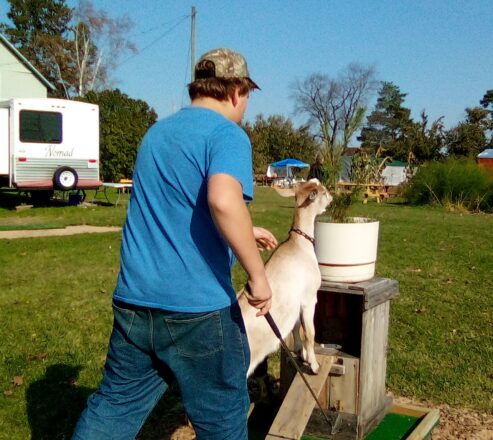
(26, 63)
(486, 154)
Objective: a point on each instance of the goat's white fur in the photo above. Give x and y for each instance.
(294, 277)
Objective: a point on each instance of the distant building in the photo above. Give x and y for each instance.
(485, 158)
(395, 173)
(18, 77)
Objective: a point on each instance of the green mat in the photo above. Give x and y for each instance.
(392, 427)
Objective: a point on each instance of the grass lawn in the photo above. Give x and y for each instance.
(55, 303)
(98, 213)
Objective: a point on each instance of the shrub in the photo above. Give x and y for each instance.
(124, 121)
(455, 183)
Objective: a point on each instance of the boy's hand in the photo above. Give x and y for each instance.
(259, 295)
(265, 239)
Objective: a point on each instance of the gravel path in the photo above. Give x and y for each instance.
(69, 230)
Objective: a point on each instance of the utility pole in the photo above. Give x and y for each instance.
(192, 45)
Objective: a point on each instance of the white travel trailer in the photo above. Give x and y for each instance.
(48, 144)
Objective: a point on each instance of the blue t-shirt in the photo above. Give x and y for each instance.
(172, 255)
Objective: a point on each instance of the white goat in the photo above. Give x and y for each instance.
(294, 277)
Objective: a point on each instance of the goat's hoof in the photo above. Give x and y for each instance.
(298, 351)
(315, 367)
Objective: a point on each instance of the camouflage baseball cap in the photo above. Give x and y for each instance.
(223, 63)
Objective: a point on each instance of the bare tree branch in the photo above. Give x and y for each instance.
(96, 37)
(335, 107)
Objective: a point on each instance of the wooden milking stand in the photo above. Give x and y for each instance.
(353, 318)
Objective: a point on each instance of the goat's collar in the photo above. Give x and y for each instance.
(300, 232)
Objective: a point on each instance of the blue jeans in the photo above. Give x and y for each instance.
(207, 354)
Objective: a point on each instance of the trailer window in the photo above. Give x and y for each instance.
(40, 127)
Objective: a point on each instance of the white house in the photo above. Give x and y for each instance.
(18, 77)
(395, 173)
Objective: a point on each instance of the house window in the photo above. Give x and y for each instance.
(40, 127)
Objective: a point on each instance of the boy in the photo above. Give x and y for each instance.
(175, 310)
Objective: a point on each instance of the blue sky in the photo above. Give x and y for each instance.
(439, 52)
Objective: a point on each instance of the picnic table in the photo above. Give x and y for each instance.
(379, 191)
(121, 188)
(264, 180)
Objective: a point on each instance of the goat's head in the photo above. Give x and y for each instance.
(311, 194)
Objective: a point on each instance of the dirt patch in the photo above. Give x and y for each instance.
(69, 230)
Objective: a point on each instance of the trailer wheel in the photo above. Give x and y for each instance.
(65, 178)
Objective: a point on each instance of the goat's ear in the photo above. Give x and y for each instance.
(285, 192)
(304, 198)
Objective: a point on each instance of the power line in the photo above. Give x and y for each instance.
(160, 26)
(156, 40)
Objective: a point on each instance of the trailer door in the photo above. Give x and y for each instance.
(4, 141)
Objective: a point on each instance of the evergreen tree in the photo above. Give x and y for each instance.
(388, 124)
(424, 142)
(487, 100)
(487, 103)
(470, 137)
(391, 130)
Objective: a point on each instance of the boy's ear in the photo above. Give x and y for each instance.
(235, 97)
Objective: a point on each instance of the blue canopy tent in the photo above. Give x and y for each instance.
(284, 168)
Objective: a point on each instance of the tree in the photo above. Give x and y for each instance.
(39, 31)
(487, 100)
(424, 142)
(275, 138)
(335, 106)
(391, 129)
(388, 122)
(123, 123)
(98, 44)
(75, 49)
(469, 138)
(487, 103)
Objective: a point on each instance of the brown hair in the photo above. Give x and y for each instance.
(219, 88)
